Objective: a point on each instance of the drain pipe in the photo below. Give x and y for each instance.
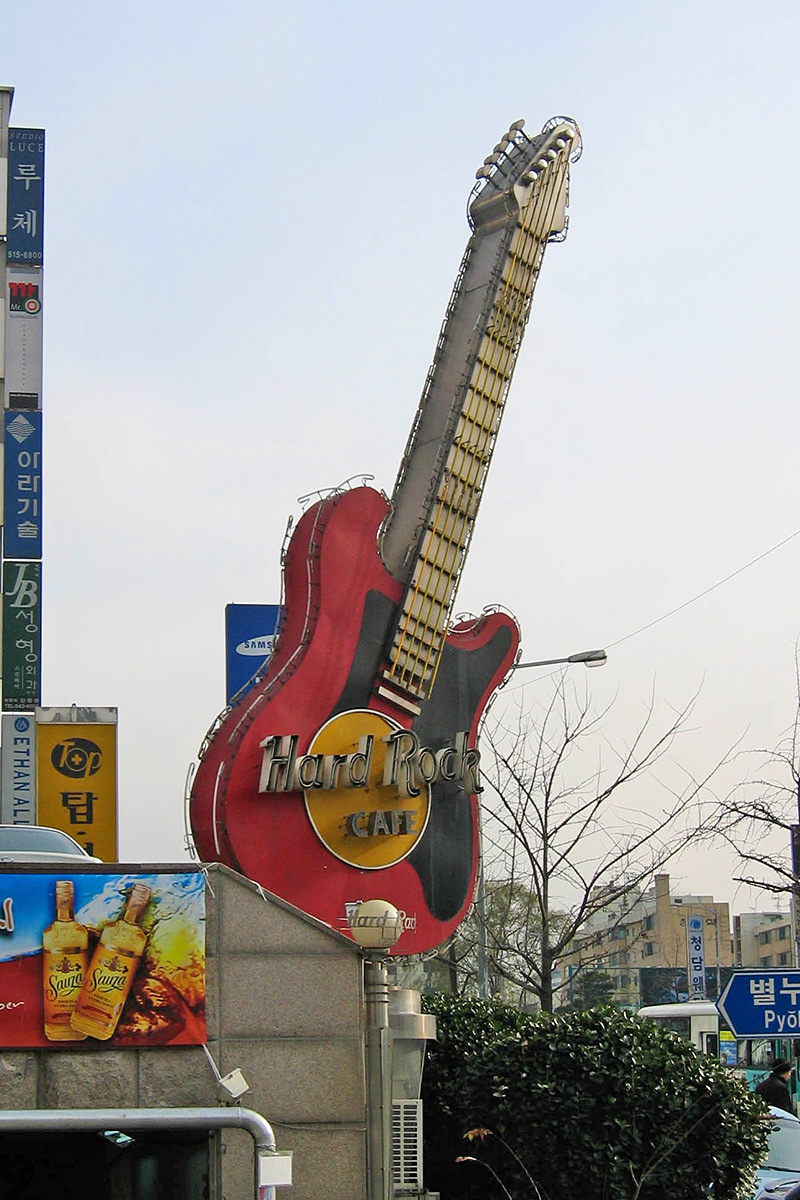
(273, 1166)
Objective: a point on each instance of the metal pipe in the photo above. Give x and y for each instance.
(83, 1120)
(378, 1054)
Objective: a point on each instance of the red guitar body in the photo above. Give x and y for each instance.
(339, 613)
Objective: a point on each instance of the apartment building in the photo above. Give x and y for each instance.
(764, 940)
(648, 929)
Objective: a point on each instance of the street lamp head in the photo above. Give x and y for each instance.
(592, 658)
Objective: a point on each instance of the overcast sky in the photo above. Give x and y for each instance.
(254, 216)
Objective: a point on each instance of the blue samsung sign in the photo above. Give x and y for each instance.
(250, 633)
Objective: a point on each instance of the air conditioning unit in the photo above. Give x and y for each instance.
(407, 1145)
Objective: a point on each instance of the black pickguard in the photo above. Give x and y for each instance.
(443, 856)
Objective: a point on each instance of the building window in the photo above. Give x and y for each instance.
(783, 959)
(766, 962)
(648, 950)
(783, 933)
(765, 937)
(648, 922)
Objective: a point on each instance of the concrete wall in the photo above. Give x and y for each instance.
(285, 1005)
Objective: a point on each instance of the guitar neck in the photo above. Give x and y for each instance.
(519, 207)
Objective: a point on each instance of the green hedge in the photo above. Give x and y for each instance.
(595, 1104)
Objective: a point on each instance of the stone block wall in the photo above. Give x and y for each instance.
(285, 1006)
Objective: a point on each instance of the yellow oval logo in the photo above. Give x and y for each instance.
(361, 819)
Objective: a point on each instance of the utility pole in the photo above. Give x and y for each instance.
(795, 832)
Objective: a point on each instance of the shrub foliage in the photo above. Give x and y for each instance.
(596, 1103)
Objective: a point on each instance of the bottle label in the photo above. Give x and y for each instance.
(64, 972)
(107, 984)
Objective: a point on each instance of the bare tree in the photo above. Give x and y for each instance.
(491, 946)
(556, 831)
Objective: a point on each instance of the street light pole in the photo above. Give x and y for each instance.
(795, 836)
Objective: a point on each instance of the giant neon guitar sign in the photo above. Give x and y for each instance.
(356, 752)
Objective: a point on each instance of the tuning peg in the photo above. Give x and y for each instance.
(515, 126)
(482, 172)
(500, 147)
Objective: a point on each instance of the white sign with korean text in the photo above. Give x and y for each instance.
(696, 958)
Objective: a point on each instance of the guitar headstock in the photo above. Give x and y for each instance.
(520, 167)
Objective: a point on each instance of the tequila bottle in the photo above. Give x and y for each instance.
(112, 969)
(64, 955)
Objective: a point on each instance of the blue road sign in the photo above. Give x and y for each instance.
(762, 1003)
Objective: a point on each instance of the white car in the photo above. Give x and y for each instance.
(39, 844)
(780, 1171)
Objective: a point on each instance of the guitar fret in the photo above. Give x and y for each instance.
(420, 632)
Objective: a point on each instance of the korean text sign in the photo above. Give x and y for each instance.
(762, 1003)
(25, 197)
(22, 635)
(22, 485)
(76, 776)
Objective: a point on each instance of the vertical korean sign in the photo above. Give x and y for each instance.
(22, 635)
(76, 774)
(25, 246)
(23, 378)
(18, 769)
(696, 958)
(22, 485)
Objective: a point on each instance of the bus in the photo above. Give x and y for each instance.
(700, 1022)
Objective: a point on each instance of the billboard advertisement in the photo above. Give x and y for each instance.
(18, 801)
(25, 205)
(22, 635)
(670, 985)
(76, 778)
(22, 485)
(23, 376)
(250, 632)
(102, 959)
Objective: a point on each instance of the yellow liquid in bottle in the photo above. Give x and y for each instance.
(111, 972)
(64, 957)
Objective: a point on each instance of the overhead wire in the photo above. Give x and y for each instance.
(706, 592)
(686, 603)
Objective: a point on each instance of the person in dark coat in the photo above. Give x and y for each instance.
(775, 1088)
